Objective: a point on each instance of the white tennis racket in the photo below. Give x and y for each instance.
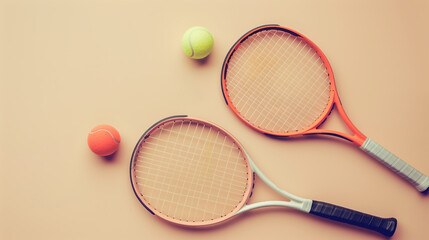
(193, 173)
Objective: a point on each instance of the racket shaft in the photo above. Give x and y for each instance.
(385, 226)
(403, 169)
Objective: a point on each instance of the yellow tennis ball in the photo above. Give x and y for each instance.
(197, 42)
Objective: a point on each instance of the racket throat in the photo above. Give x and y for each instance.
(347, 132)
(295, 201)
(304, 205)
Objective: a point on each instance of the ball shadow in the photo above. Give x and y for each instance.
(203, 61)
(112, 158)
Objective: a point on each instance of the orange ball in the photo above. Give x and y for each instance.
(104, 140)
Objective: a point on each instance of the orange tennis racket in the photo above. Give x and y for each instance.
(193, 173)
(280, 83)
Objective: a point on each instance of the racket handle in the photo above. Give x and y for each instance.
(403, 169)
(385, 226)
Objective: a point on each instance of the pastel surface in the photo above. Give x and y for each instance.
(66, 66)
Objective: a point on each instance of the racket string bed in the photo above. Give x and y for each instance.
(285, 71)
(292, 87)
(183, 170)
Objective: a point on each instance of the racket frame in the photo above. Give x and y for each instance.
(358, 138)
(152, 210)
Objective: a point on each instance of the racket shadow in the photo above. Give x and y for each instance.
(311, 138)
(348, 145)
(231, 223)
(297, 140)
(288, 213)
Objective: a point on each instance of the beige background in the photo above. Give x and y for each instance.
(66, 66)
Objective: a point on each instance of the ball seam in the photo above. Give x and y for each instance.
(189, 41)
(113, 137)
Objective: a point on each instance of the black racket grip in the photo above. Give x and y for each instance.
(385, 226)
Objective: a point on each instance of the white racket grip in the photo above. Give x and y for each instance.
(403, 169)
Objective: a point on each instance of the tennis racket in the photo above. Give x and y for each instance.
(193, 173)
(280, 83)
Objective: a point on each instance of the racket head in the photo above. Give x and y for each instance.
(190, 172)
(254, 72)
